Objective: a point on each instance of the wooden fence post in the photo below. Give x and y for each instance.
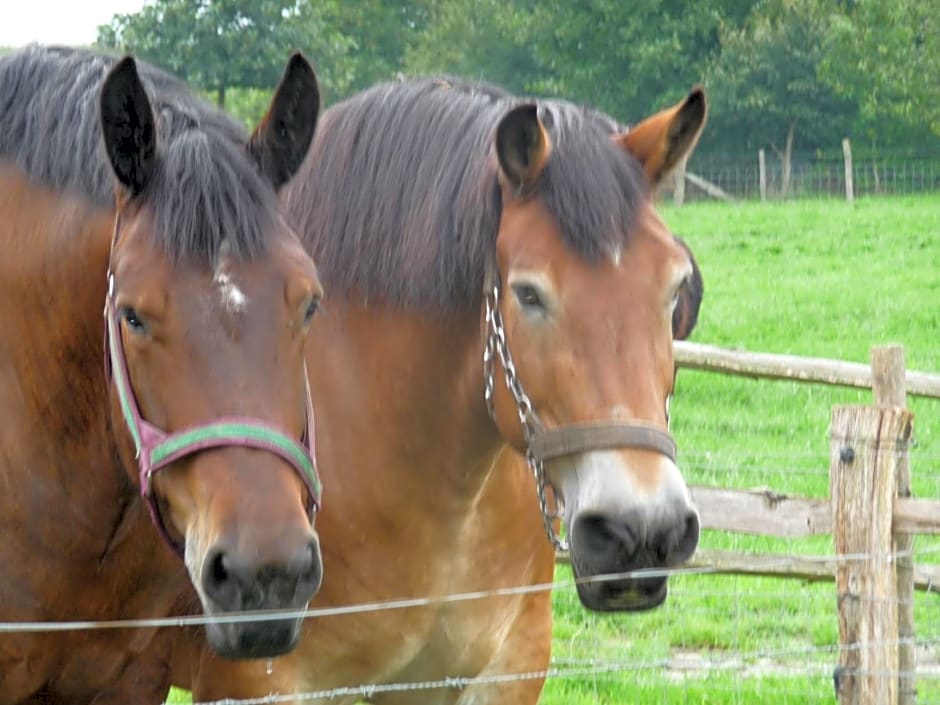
(847, 153)
(890, 389)
(865, 444)
(762, 174)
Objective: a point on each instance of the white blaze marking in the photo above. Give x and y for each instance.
(616, 253)
(232, 297)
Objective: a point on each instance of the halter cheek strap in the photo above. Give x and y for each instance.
(157, 449)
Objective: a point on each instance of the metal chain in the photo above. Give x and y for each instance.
(496, 345)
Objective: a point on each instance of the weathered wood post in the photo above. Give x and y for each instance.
(866, 442)
(849, 186)
(890, 389)
(762, 174)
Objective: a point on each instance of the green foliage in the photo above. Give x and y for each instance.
(248, 104)
(865, 70)
(629, 58)
(482, 44)
(886, 55)
(221, 44)
(766, 79)
(378, 35)
(601, 53)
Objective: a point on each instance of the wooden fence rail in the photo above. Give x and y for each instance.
(759, 365)
(790, 567)
(763, 512)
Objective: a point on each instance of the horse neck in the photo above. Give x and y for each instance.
(53, 260)
(411, 386)
(53, 274)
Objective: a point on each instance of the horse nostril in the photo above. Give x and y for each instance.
(676, 544)
(309, 569)
(302, 562)
(603, 536)
(219, 573)
(219, 582)
(688, 541)
(233, 581)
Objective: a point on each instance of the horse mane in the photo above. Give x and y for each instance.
(399, 200)
(205, 189)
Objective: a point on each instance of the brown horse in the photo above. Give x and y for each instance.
(120, 190)
(470, 239)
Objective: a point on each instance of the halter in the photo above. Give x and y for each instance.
(549, 443)
(156, 449)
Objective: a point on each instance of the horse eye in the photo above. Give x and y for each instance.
(528, 296)
(312, 309)
(132, 320)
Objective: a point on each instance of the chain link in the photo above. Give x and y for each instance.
(496, 346)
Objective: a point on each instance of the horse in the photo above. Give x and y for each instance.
(502, 301)
(157, 458)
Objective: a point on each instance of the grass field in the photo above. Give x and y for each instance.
(815, 278)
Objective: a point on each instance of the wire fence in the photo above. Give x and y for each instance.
(815, 176)
(718, 638)
(602, 658)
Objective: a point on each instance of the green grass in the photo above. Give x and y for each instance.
(813, 278)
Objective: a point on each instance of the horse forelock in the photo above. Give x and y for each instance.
(205, 187)
(399, 198)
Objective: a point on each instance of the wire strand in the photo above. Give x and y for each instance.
(406, 603)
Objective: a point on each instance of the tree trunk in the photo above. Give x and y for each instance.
(787, 163)
(678, 190)
(220, 96)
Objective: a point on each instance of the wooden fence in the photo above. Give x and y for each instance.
(870, 514)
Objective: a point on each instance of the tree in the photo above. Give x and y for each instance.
(886, 56)
(630, 59)
(221, 44)
(379, 34)
(766, 83)
(479, 42)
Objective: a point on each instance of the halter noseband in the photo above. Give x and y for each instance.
(549, 443)
(156, 449)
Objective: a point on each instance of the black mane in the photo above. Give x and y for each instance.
(205, 189)
(399, 199)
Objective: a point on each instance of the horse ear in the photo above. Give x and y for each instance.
(128, 126)
(280, 142)
(685, 315)
(522, 147)
(661, 141)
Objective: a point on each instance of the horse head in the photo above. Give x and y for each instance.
(210, 295)
(588, 291)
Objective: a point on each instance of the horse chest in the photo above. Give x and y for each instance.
(73, 569)
(79, 666)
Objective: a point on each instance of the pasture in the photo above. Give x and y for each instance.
(816, 278)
